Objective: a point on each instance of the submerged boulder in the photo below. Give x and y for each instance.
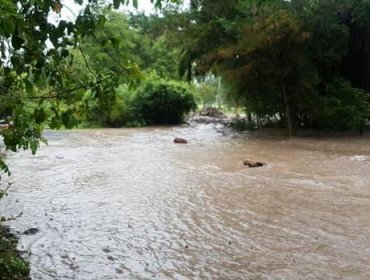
(180, 141)
(252, 164)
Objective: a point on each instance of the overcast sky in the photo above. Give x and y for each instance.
(70, 9)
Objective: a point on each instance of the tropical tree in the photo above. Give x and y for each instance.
(154, 50)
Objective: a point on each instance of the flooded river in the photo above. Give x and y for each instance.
(130, 204)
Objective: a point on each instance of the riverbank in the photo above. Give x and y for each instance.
(12, 266)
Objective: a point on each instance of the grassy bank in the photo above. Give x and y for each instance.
(12, 266)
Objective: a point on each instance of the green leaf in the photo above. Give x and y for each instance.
(55, 123)
(39, 2)
(4, 167)
(64, 53)
(33, 147)
(39, 115)
(101, 20)
(158, 4)
(115, 41)
(29, 86)
(17, 41)
(135, 4)
(68, 120)
(9, 26)
(116, 4)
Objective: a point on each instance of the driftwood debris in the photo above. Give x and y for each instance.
(252, 164)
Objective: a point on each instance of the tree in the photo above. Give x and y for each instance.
(207, 92)
(36, 85)
(109, 53)
(154, 51)
(338, 49)
(258, 47)
(124, 47)
(280, 56)
(270, 66)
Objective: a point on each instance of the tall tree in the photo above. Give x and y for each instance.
(281, 56)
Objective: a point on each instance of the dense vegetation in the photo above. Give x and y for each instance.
(160, 102)
(304, 63)
(11, 265)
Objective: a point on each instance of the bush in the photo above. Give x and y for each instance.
(344, 107)
(11, 265)
(162, 102)
(110, 111)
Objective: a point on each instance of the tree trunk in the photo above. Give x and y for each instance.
(259, 123)
(249, 117)
(218, 97)
(361, 128)
(289, 112)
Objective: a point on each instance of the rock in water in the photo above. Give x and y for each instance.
(252, 164)
(180, 141)
(31, 231)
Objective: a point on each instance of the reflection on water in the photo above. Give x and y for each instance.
(130, 204)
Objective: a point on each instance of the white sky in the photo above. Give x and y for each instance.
(70, 9)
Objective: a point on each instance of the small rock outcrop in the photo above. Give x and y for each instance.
(210, 115)
(252, 164)
(180, 141)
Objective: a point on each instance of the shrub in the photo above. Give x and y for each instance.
(11, 265)
(162, 102)
(112, 110)
(344, 107)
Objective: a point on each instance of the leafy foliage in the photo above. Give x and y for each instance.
(207, 93)
(116, 114)
(163, 102)
(153, 49)
(121, 48)
(11, 265)
(344, 107)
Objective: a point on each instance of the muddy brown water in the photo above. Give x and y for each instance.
(130, 204)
